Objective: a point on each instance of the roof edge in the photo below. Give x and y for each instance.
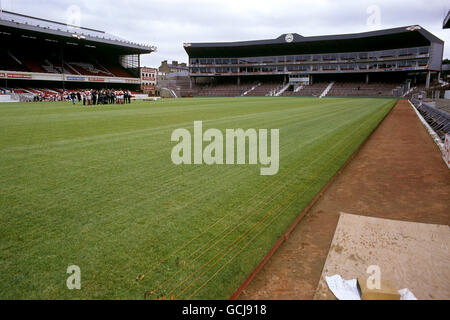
(296, 38)
(77, 32)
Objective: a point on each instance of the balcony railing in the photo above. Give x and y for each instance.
(312, 69)
(399, 54)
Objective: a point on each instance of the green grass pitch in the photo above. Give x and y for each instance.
(95, 187)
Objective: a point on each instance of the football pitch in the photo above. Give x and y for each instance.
(96, 187)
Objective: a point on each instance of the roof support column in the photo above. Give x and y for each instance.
(367, 78)
(62, 69)
(427, 83)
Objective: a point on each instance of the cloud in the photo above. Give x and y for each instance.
(169, 23)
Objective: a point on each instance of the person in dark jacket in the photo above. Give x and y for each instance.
(100, 97)
(110, 97)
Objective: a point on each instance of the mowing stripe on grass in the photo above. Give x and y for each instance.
(242, 237)
(279, 177)
(256, 235)
(95, 187)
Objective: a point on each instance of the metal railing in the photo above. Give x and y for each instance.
(438, 120)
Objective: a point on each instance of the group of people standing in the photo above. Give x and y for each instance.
(101, 97)
(47, 97)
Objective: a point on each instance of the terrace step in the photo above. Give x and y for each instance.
(327, 89)
(282, 90)
(251, 89)
(299, 88)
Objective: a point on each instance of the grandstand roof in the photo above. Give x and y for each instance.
(28, 24)
(294, 43)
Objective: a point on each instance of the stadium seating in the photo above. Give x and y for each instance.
(7, 62)
(72, 65)
(263, 89)
(313, 90)
(224, 90)
(34, 66)
(118, 71)
(362, 89)
(88, 69)
(233, 90)
(339, 89)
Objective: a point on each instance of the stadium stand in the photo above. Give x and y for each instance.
(381, 63)
(339, 89)
(38, 53)
(74, 65)
(361, 89)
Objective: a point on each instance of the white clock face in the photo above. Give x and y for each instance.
(289, 37)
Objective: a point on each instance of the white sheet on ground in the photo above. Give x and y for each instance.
(348, 289)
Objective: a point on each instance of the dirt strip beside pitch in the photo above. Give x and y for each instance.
(398, 174)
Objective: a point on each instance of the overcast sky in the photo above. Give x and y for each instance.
(167, 24)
